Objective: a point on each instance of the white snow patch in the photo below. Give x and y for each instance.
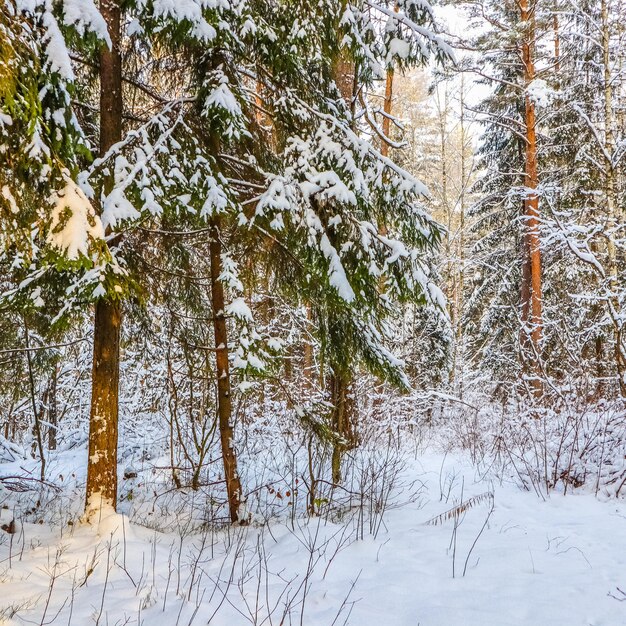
(74, 221)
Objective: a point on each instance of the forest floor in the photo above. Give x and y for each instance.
(510, 558)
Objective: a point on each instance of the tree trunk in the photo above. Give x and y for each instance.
(224, 404)
(308, 352)
(458, 343)
(384, 148)
(531, 311)
(387, 102)
(345, 79)
(610, 188)
(557, 45)
(53, 410)
(101, 488)
(343, 419)
(379, 388)
(102, 462)
(340, 380)
(37, 410)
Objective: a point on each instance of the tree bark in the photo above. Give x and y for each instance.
(345, 79)
(343, 419)
(37, 410)
(459, 304)
(382, 226)
(611, 204)
(101, 490)
(387, 102)
(103, 420)
(308, 352)
(340, 380)
(532, 314)
(224, 404)
(53, 409)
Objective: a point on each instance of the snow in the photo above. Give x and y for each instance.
(117, 208)
(558, 561)
(216, 199)
(85, 17)
(74, 223)
(330, 187)
(223, 98)
(540, 92)
(56, 52)
(10, 198)
(399, 48)
(337, 274)
(5, 119)
(181, 11)
(274, 343)
(238, 308)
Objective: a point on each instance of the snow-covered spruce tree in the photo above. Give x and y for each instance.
(41, 142)
(368, 40)
(101, 488)
(49, 233)
(312, 213)
(439, 152)
(578, 174)
(587, 215)
(492, 301)
(507, 299)
(183, 151)
(308, 209)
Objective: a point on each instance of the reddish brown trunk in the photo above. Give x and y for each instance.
(343, 419)
(557, 45)
(102, 462)
(111, 78)
(382, 226)
(52, 410)
(612, 204)
(224, 404)
(103, 421)
(339, 380)
(346, 81)
(308, 352)
(384, 149)
(532, 280)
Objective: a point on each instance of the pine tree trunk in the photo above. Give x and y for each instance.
(53, 412)
(382, 227)
(103, 420)
(387, 102)
(458, 343)
(37, 410)
(532, 285)
(610, 188)
(101, 490)
(308, 353)
(345, 79)
(224, 404)
(557, 45)
(339, 381)
(343, 419)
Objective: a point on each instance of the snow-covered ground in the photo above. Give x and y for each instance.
(511, 559)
